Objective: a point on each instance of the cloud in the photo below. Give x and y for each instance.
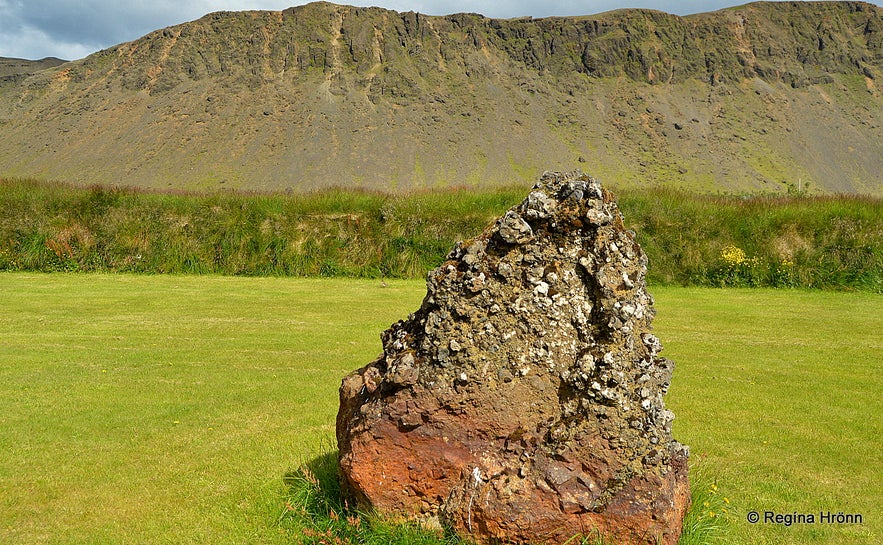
(72, 29)
(33, 43)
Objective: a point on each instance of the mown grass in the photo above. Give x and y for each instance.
(817, 242)
(177, 409)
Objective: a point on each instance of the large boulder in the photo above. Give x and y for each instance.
(523, 401)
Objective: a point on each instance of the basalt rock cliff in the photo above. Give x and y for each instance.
(761, 97)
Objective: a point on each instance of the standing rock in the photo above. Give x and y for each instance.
(522, 403)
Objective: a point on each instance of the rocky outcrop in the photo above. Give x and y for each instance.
(523, 402)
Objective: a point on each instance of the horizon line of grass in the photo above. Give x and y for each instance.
(826, 242)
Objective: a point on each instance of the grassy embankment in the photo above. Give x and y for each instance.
(169, 409)
(817, 242)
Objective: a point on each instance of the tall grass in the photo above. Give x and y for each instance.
(818, 242)
(794, 241)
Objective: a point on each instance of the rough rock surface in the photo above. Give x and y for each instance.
(523, 401)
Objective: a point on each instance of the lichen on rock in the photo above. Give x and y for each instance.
(523, 401)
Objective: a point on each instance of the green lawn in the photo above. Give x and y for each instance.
(781, 394)
(167, 409)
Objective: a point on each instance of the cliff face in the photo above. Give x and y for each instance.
(742, 99)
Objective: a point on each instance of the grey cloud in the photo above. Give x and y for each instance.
(74, 28)
(101, 21)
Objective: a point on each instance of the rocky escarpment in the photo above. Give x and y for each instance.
(523, 402)
(797, 42)
(752, 98)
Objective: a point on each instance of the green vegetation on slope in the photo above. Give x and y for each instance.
(177, 407)
(819, 242)
(745, 99)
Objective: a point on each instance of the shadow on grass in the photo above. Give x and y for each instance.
(315, 511)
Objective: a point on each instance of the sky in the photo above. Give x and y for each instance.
(73, 29)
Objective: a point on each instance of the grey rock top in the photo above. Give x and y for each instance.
(553, 292)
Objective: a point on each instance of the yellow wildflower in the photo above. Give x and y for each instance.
(733, 255)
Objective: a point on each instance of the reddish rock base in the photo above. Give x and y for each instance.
(453, 463)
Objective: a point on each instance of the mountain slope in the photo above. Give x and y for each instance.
(12, 70)
(760, 97)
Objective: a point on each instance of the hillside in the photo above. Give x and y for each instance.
(762, 97)
(12, 70)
